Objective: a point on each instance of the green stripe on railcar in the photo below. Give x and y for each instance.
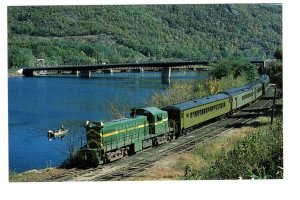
(257, 89)
(203, 113)
(240, 96)
(191, 113)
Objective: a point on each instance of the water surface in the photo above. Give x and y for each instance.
(38, 104)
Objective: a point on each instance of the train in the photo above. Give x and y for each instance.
(151, 126)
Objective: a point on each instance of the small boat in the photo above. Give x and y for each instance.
(60, 133)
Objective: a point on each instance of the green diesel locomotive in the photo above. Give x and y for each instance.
(112, 140)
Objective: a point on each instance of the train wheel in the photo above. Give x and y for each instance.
(155, 142)
(88, 158)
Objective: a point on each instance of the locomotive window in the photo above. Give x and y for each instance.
(187, 115)
(159, 117)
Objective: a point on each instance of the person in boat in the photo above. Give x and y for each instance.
(62, 127)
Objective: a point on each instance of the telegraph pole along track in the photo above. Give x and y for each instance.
(141, 161)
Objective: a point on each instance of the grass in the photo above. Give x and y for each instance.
(251, 152)
(207, 152)
(34, 175)
(205, 155)
(174, 167)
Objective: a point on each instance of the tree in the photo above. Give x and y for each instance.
(278, 54)
(235, 67)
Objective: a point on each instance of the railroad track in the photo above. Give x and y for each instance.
(146, 163)
(129, 166)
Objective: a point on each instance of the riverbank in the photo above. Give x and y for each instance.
(173, 167)
(13, 72)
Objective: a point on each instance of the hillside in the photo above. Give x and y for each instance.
(97, 34)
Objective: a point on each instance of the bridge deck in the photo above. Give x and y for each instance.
(29, 71)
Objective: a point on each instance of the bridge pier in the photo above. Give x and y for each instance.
(85, 74)
(75, 72)
(166, 76)
(27, 73)
(110, 70)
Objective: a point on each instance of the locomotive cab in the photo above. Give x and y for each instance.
(158, 119)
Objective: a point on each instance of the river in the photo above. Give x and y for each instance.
(38, 104)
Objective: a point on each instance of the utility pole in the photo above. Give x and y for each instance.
(274, 99)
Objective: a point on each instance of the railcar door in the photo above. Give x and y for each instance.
(182, 120)
(236, 102)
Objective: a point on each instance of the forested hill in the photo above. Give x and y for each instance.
(97, 34)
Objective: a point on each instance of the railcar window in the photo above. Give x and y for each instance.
(259, 89)
(247, 96)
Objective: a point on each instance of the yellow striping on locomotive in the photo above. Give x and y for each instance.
(131, 128)
(123, 130)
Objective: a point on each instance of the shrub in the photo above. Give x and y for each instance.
(235, 67)
(258, 156)
(176, 93)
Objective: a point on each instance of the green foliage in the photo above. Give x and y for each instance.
(235, 67)
(274, 69)
(89, 34)
(176, 93)
(230, 81)
(278, 54)
(258, 156)
(181, 92)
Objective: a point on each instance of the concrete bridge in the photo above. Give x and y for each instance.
(86, 70)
